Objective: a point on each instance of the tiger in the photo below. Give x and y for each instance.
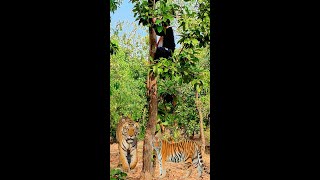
(126, 135)
(185, 151)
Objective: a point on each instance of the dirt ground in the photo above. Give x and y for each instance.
(174, 170)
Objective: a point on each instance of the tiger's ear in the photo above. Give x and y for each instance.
(123, 119)
(137, 125)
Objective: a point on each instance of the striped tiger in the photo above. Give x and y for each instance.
(185, 151)
(126, 135)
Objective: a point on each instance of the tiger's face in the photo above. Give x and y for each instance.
(156, 143)
(130, 131)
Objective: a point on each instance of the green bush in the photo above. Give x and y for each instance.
(116, 174)
(128, 72)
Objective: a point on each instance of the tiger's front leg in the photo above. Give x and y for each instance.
(134, 158)
(119, 163)
(123, 161)
(162, 170)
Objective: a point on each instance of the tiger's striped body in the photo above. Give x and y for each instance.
(185, 151)
(126, 135)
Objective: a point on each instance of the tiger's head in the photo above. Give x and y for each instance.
(157, 142)
(130, 131)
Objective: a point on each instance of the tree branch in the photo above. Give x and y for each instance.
(181, 49)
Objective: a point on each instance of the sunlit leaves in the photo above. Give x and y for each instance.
(128, 73)
(163, 11)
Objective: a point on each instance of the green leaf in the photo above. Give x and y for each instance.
(159, 28)
(115, 171)
(194, 41)
(154, 69)
(198, 88)
(166, 123)
(158, 21)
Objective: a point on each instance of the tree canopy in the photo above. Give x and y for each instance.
(188, 70)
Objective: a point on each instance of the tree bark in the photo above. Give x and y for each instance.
(201, 123)
(148, 168)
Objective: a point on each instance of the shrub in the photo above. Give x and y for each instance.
(117, 174)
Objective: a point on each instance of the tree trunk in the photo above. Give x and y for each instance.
(148, 168)
(201, 123)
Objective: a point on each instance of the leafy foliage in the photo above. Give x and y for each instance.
(163, 10)
(194, 24)
(127, 78)
(114, 5)
(180, 76)
(117, 174)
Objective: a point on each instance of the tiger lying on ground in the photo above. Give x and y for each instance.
(126, 134)
(185, 151)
